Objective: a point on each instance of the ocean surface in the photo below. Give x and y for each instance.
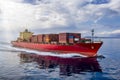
(24, 64)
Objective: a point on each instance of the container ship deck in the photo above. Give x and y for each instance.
(63, 43)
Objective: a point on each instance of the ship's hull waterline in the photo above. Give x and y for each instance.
(86, 49)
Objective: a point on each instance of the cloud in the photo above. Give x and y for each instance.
(110, 32)
(56, 15)
(56, 12)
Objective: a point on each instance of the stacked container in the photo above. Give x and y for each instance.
(63, 37)
(76, 37)
(40, 38)
(34, 39)
(48, 38)
(55, 38)
(69, 37)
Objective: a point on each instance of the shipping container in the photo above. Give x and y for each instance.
(40, 38)
(71, 40)
(69, 37)
(63, 37)
(48, 38)
(34, 39)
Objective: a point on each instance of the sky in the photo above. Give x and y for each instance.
(55, 16)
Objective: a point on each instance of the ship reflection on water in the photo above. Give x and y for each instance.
(67, 66)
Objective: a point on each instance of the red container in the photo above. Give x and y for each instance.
(54, 37)
(63, 37)
(69, 37)
(71, 40)
(40, 38)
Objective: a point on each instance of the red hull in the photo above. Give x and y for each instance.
(86, 49)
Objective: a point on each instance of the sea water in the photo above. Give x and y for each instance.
(25, 64)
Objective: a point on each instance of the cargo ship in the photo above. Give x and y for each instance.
(62, 43)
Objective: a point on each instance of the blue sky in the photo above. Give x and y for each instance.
(54, 16)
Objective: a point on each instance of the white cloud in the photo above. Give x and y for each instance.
(110, 32)
(11, 1)
(15, 14)
(114, 5)
(47, 14)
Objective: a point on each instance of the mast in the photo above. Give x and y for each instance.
(92, 31)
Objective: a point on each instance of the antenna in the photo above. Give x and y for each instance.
(92, 31)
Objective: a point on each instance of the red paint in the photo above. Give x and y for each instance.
(87, 49)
